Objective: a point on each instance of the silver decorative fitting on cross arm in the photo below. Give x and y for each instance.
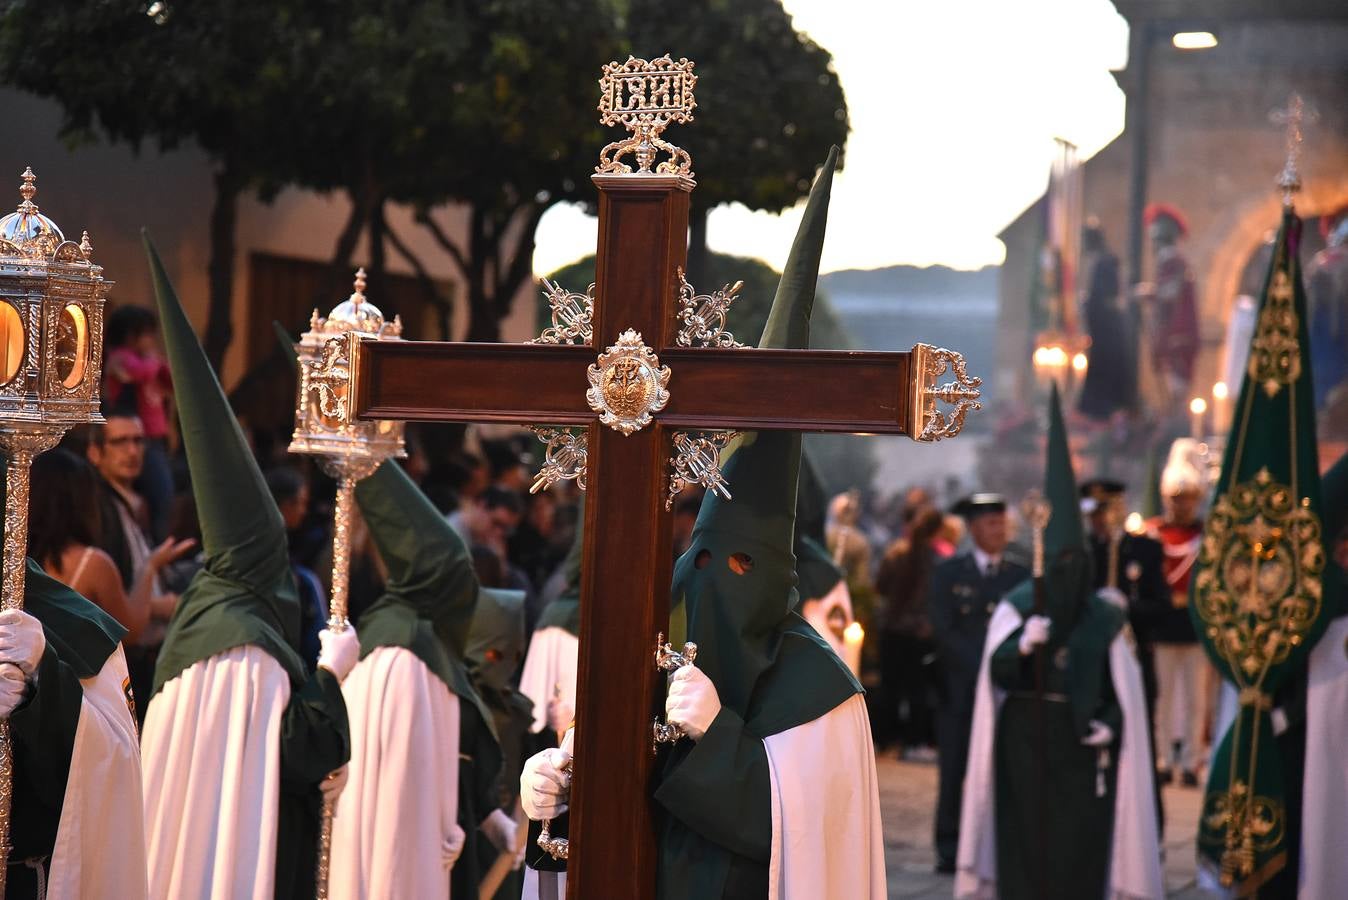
(697, 460)
(572, 315)
(565, 456)
(926, 422)
(703, 316)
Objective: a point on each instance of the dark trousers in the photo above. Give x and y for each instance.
(908, 686)
(953, 723)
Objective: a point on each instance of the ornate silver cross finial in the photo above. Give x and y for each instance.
(1293, 117)
(927, 422)
(645, 97)
(704, 315)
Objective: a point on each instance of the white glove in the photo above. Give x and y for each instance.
(692, 702)
(1114, 597)
(21, 640)
(12, 687)
(452, 847)
(1035, 633)
(545, 784)
(332, 785)
(500, 830)
(339, 651)
(1101, 735)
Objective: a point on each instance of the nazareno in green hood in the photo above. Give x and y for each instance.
(737, 582)
(245, 593)
(1068, 567)
(431, 594)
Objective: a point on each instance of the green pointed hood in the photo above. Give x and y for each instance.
(816, 571)
(431, 588)
(432, 591)
(741, 617)
(1068, 569)
(496, 638)
(245, 593)
(564, 612)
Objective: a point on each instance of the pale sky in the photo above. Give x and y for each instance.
(954, 105)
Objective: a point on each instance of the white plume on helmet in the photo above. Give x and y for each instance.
(1186, 468)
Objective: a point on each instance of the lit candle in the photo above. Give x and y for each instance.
(853, 635)
(1197, 408)
(1219, 395)
(1133, 524)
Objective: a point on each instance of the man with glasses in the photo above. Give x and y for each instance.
(117, 451)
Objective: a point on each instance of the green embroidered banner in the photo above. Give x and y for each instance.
(1257, 596)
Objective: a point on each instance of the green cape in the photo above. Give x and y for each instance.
(743, 624)
(245, 593)
(564, 612)
(428, 602)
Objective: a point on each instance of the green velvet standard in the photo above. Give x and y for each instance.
(246, 594)
(771, 670)
(1053, 825)
(80, 638)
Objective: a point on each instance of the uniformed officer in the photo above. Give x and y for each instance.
(961, 596)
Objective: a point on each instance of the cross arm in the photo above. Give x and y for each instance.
(815, 390)
(462, 382)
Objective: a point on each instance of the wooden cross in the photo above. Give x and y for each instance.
(634, 368)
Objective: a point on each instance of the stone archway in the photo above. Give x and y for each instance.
(1243, 230)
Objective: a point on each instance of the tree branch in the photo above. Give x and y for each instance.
(444, 307)
(521, 263)
(424, 219)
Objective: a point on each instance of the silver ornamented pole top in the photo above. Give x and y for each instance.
(1293, 117)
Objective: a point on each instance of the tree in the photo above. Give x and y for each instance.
(769, 104)
(211, 73)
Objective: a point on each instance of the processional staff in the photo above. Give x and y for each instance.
(347, 450)
(51, 363)
(1037, 511)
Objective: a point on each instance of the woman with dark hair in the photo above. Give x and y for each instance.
(64, 530)
(906, 631)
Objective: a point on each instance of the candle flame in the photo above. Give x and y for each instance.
(854, 633)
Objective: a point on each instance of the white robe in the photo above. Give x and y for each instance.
(826, 835)
(1135, 855)
(212, 754)
(90, 861)
(1324, 811)
(400, 804)
(550, 666)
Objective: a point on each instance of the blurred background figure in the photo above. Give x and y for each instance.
(290, 489)
(136, 379)
(906, 634)
(1172, 306)
(962, 594)
(1181, 666)
(1109, 385)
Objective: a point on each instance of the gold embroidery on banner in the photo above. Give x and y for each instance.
(1249, 824)
(1275, 352)
(1258, 587)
